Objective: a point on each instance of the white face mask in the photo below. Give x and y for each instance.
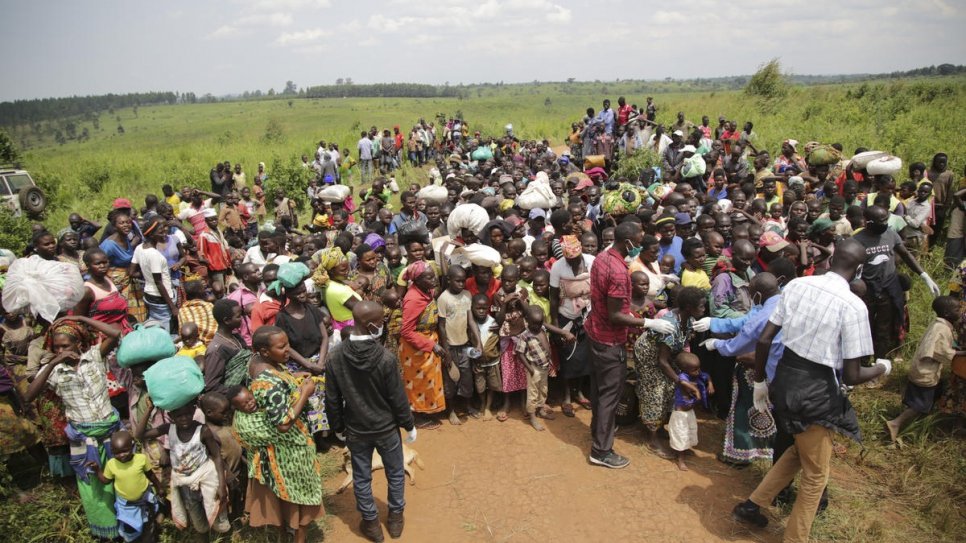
(375, 334)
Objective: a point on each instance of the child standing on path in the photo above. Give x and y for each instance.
(135, 502)
(683, 426)
(458, 331)
(533, 350)
(197, 471)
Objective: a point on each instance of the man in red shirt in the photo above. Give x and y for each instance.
(610, 316)
(623, 111)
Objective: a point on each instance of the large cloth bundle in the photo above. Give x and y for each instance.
(537, 194)
(174, 382)
(45, 287)
(433, 193)
(481, 255)
(469, 216)
(861, 160)
(887, 165)
(623, 200)
(594, 161)
(334, 193)
(482, 153)
(145, 344)
(823, 155)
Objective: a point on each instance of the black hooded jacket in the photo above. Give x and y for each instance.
(364, 394)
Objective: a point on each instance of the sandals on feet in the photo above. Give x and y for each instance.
(545, 413)
(501, 416)
(585, 403)
(429, 424)
(567, 409)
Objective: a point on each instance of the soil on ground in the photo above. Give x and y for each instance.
(493, 481)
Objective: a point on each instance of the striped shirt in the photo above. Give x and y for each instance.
(823, 321)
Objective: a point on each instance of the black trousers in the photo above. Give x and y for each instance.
(606, 384)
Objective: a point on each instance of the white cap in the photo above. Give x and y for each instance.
(678, 133)
(688, 149)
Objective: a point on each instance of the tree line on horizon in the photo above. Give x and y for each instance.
(89, 108)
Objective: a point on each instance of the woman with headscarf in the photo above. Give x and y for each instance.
(78, 375)
(569, 305)
(495, 234)
(332, 275)
(420, 354)
(68, 250)
(308, 341)
(119, 248)
(789, 159)
(371, 266)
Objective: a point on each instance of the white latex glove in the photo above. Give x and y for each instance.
(340, 437)
(660, 326)
(702, 325)
(930, 284)
(710, 344)
(411, 435)
(761, 396)
(885, 363)
(671, 278)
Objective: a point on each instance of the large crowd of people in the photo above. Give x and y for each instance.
(760, 287)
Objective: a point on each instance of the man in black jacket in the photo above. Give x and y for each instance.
(365, 400)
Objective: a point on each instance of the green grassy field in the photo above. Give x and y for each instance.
(179, 144)
(881, 494)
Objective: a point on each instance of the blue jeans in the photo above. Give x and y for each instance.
(390, 449)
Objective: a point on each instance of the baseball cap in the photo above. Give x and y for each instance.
(538, 214)
(682, 219)
(772, 241)
(796, 180)
(678, 133)
(122, 203)
(688, 149)
(208, 213)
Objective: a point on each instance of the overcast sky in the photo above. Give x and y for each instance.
(96, 47)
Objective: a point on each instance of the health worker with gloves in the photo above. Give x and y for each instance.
(606, 326)
(826, 332)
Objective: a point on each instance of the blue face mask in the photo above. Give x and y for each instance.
(634, 252)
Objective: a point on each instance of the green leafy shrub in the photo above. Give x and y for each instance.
(15, 231)
(291, 176)
(632, 166)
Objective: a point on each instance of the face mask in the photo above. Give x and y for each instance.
(374, 334)
(756, 299)
(876, 228)
(634, 252)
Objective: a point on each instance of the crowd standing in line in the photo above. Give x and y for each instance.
(513, 278)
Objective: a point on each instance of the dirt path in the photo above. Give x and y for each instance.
(491, 481)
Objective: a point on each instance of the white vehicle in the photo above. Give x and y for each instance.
(20, 194)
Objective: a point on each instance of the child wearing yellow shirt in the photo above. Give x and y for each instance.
(135, 503)
(692, 270)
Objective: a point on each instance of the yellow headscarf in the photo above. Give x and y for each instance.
(327, 259)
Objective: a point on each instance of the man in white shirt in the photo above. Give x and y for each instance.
(365, 157)
(825, 329)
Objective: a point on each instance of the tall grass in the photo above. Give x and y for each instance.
(178, 144)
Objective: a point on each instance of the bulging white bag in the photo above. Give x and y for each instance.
(334, 193)
(887, 165)
(45, 287)
(481, 255)
(538, 194)
(470, 216)
(433, 193)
